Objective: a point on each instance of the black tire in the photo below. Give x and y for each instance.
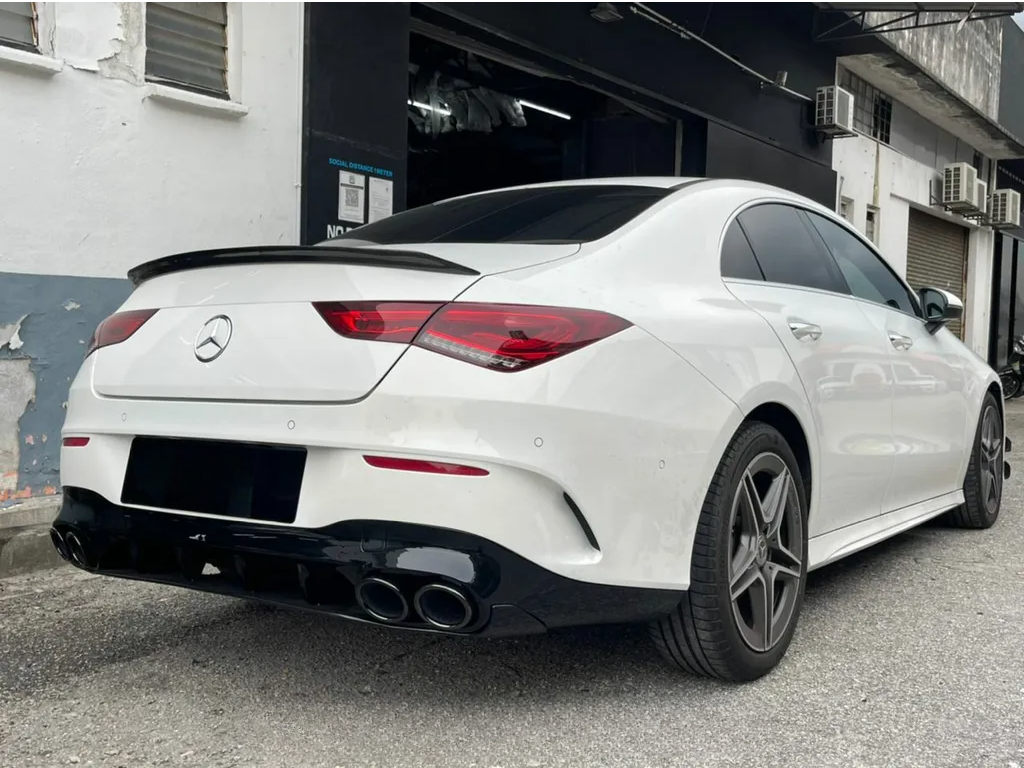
(708, 633)
(983, 484)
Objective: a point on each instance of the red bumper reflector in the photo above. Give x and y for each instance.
(419, 465)
(75, 442)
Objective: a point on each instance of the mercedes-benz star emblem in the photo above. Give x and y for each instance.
(213, 339)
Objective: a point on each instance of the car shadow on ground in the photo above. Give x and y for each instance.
(301, 655)
(373, 661)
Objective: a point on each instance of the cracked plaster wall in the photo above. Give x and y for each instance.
(968, 62)
(98, 178)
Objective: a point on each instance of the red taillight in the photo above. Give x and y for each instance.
(501, 337)
(117, 328)
(75, 442)
(513, 338)
(419, 465)
(377, 320)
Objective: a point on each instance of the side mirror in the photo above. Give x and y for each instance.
(940, 307)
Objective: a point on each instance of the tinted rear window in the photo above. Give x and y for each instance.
(559, 214)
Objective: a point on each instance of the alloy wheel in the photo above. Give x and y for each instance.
(767, 557)
(991, 449)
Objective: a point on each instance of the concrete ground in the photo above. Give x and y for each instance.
(911, 654)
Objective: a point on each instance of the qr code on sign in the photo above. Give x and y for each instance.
(351, 198)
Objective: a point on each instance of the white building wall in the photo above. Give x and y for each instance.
(100, 171)
(873, 173)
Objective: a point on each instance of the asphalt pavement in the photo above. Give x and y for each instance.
(910, 654)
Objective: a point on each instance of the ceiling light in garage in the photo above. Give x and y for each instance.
(428, 108)
(545, 110)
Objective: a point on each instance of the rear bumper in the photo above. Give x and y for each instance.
(625, 428)
(318, 569)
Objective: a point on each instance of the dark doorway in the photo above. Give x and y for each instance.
(477, 124)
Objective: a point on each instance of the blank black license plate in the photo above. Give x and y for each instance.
(248, 480)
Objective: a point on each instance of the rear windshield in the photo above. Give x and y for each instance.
(548, 215)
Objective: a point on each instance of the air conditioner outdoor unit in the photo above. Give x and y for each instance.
(1004, 209)
(959, 182)
(981, 196)
(833, 111)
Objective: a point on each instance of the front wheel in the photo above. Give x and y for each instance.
(749, 564)
(983, 485)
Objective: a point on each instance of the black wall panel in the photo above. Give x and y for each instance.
(737, 156)
(356, 72)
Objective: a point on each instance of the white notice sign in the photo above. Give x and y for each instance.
(351, 197)
(382, 199)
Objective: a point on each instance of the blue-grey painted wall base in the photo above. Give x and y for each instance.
(45, 324)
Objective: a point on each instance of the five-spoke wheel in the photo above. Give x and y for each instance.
(983, 484)
(749, 564)
(766, 567)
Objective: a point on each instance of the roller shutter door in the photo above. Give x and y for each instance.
(937, 257)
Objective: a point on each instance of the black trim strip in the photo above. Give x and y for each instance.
(587, 530)
(303, 254)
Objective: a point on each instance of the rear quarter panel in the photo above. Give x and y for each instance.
(662, 273)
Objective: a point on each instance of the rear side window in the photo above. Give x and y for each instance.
(573, 214)
(786, 249)
(737, 256)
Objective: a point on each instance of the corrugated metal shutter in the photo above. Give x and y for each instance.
(18, 25)
(937, 257)
(186, 45)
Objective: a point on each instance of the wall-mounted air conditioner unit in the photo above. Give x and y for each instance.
(833, 111)
(959, 187)
(981, 196)
(1004, 209)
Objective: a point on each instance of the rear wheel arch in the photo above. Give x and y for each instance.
(783, 419)
(997, 393)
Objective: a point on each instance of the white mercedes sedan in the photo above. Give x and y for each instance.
(654, 400)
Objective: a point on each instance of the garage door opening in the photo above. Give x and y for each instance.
(477, 124)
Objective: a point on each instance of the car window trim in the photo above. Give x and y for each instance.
(842, 224)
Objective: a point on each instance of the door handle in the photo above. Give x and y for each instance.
(900, 341)
(803, 330)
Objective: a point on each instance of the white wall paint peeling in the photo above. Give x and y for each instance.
(871, 173)
(87, 33)
(100, 178)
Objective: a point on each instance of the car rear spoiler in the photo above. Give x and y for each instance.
(296, 254)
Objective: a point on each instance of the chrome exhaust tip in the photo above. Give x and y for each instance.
(77, 552)
(59, 545)
(382, 600)
(443, 607)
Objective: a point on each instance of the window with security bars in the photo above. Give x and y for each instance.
(18, 25)
(872, 109)
(186, 46)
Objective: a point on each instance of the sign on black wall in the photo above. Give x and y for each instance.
(347, 186)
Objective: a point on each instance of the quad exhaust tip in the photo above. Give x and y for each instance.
(59, 545)
(77, 552)
(382, 600)
(443, 607)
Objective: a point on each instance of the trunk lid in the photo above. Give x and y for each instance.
(273, 344)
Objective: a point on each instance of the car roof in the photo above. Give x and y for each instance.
(661, 182)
